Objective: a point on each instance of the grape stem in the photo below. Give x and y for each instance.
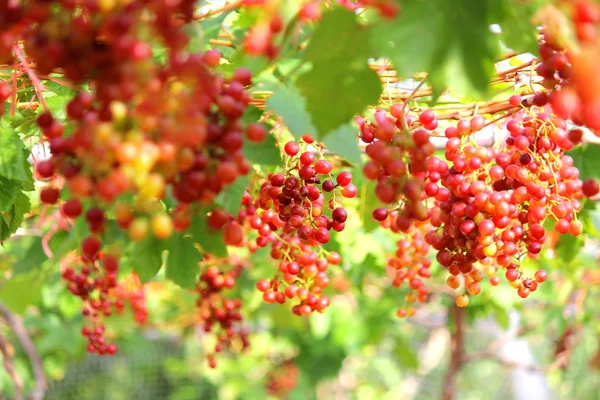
(224, 8)
(35, 81)
(408, 100)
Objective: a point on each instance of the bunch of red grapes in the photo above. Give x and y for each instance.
(219, 314)
(283, 380)
(148, 130)
(93, 278)
(484, 207)
(571, 69)
(398, 162)
(294, 218)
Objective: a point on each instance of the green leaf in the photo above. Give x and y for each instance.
(8, 193)
(568, 247)
(11, 219)
(405, 354)
(368, 201)
(21, 290)
(340, 83)
(344, 142)
(146, 257)
(587, 159)
(182, 265)
(289, 104)
(514, 17)
(230, 199)
(451, 40)
(211, 241)
(13, 158)
(263, 153)
(32, 259)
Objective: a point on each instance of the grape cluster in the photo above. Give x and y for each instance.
(571, 71)
(283, 380)
(219, 314)
(149, 129)
(482, 208)
(492, 203)
(92, 277)
(398, 162)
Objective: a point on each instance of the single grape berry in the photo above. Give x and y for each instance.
(44, 169)
(322, 167)
(49, 195)
(426, 117)
(72, 208)
(590, 187)
(90, 246)
(380, 214)
(328, 186)
(233, 235)
(291, 148)
(349, 191)
(339, 215)
(344, 178)
(255, 132)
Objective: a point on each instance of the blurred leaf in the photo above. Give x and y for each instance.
(406, 356)
(587, 159)
(230, 199)
(568, 247)
(182, 265)
(514, 17)
(13, 155)
(368, 200)
(343, 141)
(8, 193)
(340, 83)
(452, 41)
(11, 219)
(33, 257)
(289, 104)
(263, 153)
(501, 315)
(146, 257)
(320, 325)
(211, 241)
(21, 290)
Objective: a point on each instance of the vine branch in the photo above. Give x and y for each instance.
(16, 325)
(35, 81)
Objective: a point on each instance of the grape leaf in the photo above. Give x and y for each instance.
(11, 219)
(8, 193)
(182, 263)
(343, 141)
(32, 258)
(230, 199)
(340, 83)
(514, 17)
(210, 240)
(263, 153)
(405, 354)
(587, 159)
(568, 247)
(451, 41)
(21, 290)
(146, 257)
(289, 104)
(368, 201)
(13, 156)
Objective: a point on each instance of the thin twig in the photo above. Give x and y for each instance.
(408, 100)
(37, 85)
(16, 325)
(226, 7)
(9, 366)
